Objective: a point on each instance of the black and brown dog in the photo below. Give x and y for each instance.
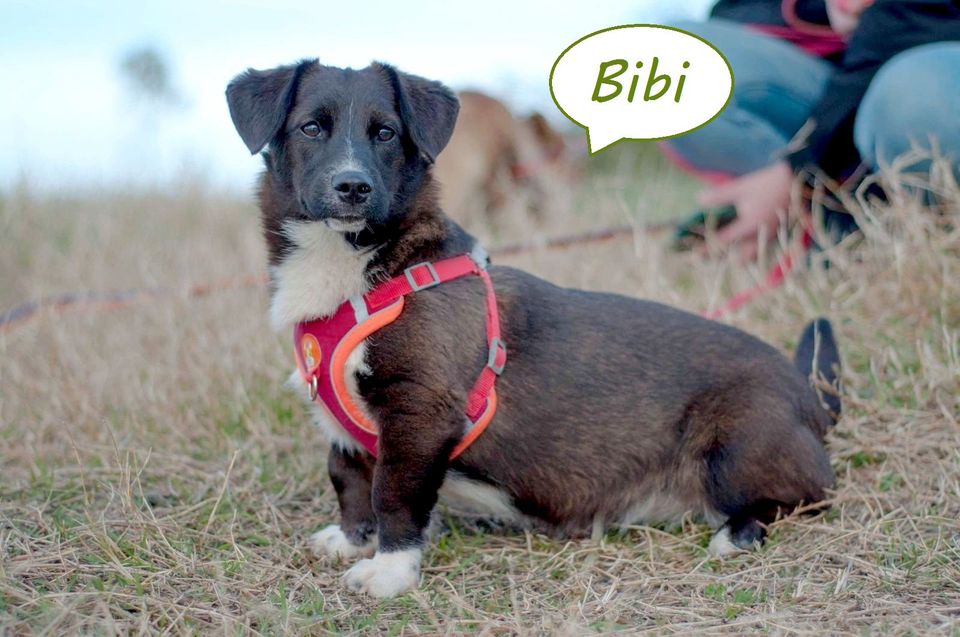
(611, 410)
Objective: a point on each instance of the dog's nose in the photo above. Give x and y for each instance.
(352, 186)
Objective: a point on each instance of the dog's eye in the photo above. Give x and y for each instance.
(385, 134)
(310, 129)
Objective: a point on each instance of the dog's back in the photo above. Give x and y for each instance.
(655, 412)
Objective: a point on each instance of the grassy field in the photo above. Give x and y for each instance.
(158, 478)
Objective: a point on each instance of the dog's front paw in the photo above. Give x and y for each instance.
(386, 574)
(332, 542)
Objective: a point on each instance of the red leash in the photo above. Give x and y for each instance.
(124, 298)
(774, 278)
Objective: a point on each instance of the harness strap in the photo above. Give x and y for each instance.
(496, 358)
(426, 275)
(481, 399)
(421, 276)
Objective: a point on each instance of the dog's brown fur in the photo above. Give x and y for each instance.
(610, 410)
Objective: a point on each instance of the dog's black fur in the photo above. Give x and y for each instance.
(606, 402)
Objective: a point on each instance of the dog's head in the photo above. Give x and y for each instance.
(351, 145)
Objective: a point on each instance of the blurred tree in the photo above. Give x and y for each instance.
(150, 142)
(147, 75)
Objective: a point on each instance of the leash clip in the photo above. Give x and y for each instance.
(313, 387)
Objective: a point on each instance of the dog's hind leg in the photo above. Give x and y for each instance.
(744, 530)
(763, 468)
(351, 473)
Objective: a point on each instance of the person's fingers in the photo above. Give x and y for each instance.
(740, 229)
(750, 247)
(718, 195)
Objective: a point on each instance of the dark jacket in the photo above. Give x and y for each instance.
(769, 12)
(885, 29)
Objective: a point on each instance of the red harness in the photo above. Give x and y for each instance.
(322, 346)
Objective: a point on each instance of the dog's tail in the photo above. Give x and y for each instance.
(818, 359)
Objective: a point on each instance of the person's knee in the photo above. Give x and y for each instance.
(728, 38)
(772, 77)
(704, 28)
(911, 101)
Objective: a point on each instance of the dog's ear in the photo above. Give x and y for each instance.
(541, 128)
(260, 100)
(428, 110)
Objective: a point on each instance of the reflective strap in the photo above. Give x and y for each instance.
(360, 312)
(481, 399)
(476, 426)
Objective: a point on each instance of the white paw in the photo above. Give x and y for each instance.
(721, 544)
(332, 542)
(386, 574)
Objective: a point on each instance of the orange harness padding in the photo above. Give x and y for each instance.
(322, 346)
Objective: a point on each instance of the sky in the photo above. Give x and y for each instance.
(68, 118)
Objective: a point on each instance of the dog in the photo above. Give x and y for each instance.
(611, 410)
(496, 163)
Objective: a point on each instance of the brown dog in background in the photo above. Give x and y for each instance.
(497, 161)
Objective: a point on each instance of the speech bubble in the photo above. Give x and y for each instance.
(641, 82)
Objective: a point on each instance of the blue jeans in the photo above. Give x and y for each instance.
(915, 97)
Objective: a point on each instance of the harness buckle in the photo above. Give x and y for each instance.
(497, 346)
(416, 287)
(479, 256)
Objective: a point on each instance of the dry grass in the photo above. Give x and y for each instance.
(157, 477)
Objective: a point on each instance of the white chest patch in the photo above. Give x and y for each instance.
(321, 272)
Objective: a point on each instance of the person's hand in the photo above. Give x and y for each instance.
(844, 15)
(759, 198)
